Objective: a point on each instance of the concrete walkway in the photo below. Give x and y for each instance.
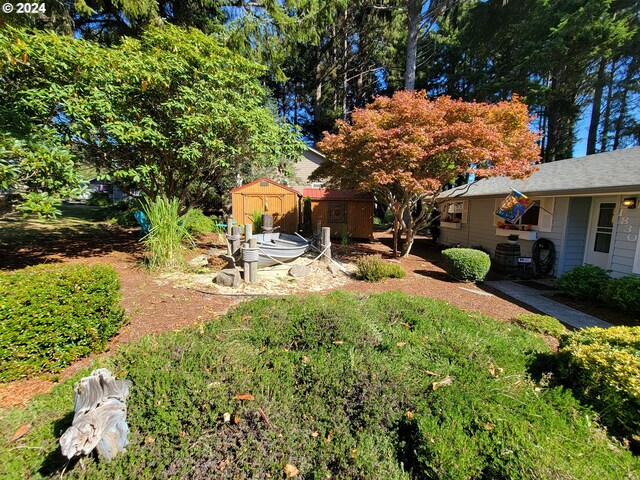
(536, 299)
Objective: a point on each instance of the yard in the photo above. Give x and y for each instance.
(419, 377)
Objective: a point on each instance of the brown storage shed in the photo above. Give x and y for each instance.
(340, 209)
(283, 203)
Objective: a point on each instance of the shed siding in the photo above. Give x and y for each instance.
(359, 217)
(576, 235)
(480, 229)
(282, 203)
(625, 242)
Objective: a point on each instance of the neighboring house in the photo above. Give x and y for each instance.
(108, 188)
(586, 206)
(303, 169)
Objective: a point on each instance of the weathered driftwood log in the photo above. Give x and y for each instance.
(100, 419)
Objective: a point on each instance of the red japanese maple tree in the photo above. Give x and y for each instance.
(406, 148)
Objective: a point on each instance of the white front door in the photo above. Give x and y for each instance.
(601, 231)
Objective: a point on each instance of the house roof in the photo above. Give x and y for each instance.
(610, 172)
(325, 194)
(264, 179)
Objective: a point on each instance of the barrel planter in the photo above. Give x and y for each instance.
(506, 258)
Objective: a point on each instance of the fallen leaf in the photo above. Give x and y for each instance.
(226, 417)
(409, 415)
(244, 396)
(149, 440)
(236, 419)
(329, 436)
(492, 370)
(401, 344)
(315, 434)
(443, 383)
(306, 359)
(291, 470)
(338, 342)
(432, 373)
(21, 432)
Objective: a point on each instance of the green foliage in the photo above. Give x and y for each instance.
(99, 199)
(602, 366)
(342, 380)
(540, 323)
(51, 315)
(165, 240)
(256, 219)
(307, 222)
(180, 116)
(373, 269)
(197, 223)
(466, 264)
(623, 294)
(585, 282)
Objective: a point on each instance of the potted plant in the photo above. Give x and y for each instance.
(513, 238)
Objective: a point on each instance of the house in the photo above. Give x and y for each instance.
(344, 211)
(303, 169)
(585, 206)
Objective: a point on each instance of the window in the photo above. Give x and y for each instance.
(337, 212)
(316, 184)
(539, 217)
(453, 212)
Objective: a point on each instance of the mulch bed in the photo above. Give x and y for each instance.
(600, 311)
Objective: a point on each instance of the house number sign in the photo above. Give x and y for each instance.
(628, 229)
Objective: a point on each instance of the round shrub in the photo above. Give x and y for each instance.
(623, 293)
(585, 281)
(466, 264)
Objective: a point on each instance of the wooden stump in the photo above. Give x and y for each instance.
(100, 419)
(326, 244)
(267, 222)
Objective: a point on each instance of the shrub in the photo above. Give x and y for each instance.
(347, 384)
(197, 223)
(602, 366)
(540, 323)
(165, 239)
(584, 282)
(51, 315)
(466, 264)
(307, 216)
(256, 219)
(623, 293)
(99, 199)
(373, 269)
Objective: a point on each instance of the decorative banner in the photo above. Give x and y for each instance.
(514, 206)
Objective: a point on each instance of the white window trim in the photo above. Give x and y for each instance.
(545, 217)
(464, 210)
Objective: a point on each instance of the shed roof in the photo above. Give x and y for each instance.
(325, 194)
(264, 179)
(609, 172)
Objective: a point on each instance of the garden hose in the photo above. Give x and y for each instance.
(543, 255)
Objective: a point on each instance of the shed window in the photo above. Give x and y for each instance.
(454, 212)
(337, 212)
(264, 183)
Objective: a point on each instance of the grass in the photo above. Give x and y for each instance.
(166, 238)
(387, 386)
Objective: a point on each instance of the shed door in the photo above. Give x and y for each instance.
(258, 202)
(601, 232)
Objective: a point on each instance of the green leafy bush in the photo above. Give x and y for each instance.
(540, 323)
(353, 387)
(466, 264)
(99, 199)
(197, 223)
(256, 219)
(585, 282)
(51, 315)
(602, 366)
(165, 240)
(623, 293)
(373, 269)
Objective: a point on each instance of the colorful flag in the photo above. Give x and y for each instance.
(514, 206)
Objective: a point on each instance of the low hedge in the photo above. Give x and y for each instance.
(623, 294)
(51, 315)
(585, 282)
(466, 264)
(602, 366)
(373, 269)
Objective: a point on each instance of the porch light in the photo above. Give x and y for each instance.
(629, 202)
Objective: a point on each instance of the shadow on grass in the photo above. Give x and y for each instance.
(54, 462)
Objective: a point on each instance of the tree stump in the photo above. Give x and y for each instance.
(100, 419)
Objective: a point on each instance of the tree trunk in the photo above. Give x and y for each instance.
(595, 108)
(414, 9)
(345, 66)
(619, 123)
(396, 227)
(606, 123)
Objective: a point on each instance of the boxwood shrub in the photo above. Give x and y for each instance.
(602, 366)
(50, 315)
(466, 264)
(623, 293)
(585, 282)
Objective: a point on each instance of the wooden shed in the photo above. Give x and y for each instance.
(342, 209)
(264, 194)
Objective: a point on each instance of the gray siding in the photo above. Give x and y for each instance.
(480, 230)
(576, 234)
(625, 241)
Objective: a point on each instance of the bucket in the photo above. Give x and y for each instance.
(506, 258)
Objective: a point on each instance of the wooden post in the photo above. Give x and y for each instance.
(253, 266)
(319, 229)
(326, 242)
(248, 231)
(246, 266)
(235, 240)
(267, 222)
(229, 225)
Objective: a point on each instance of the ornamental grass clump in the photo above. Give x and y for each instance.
(466, 264)
(373, 269)
(167, 236)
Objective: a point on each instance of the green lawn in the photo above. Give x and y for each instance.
(387, 386)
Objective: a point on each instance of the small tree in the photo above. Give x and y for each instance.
(407, 148)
